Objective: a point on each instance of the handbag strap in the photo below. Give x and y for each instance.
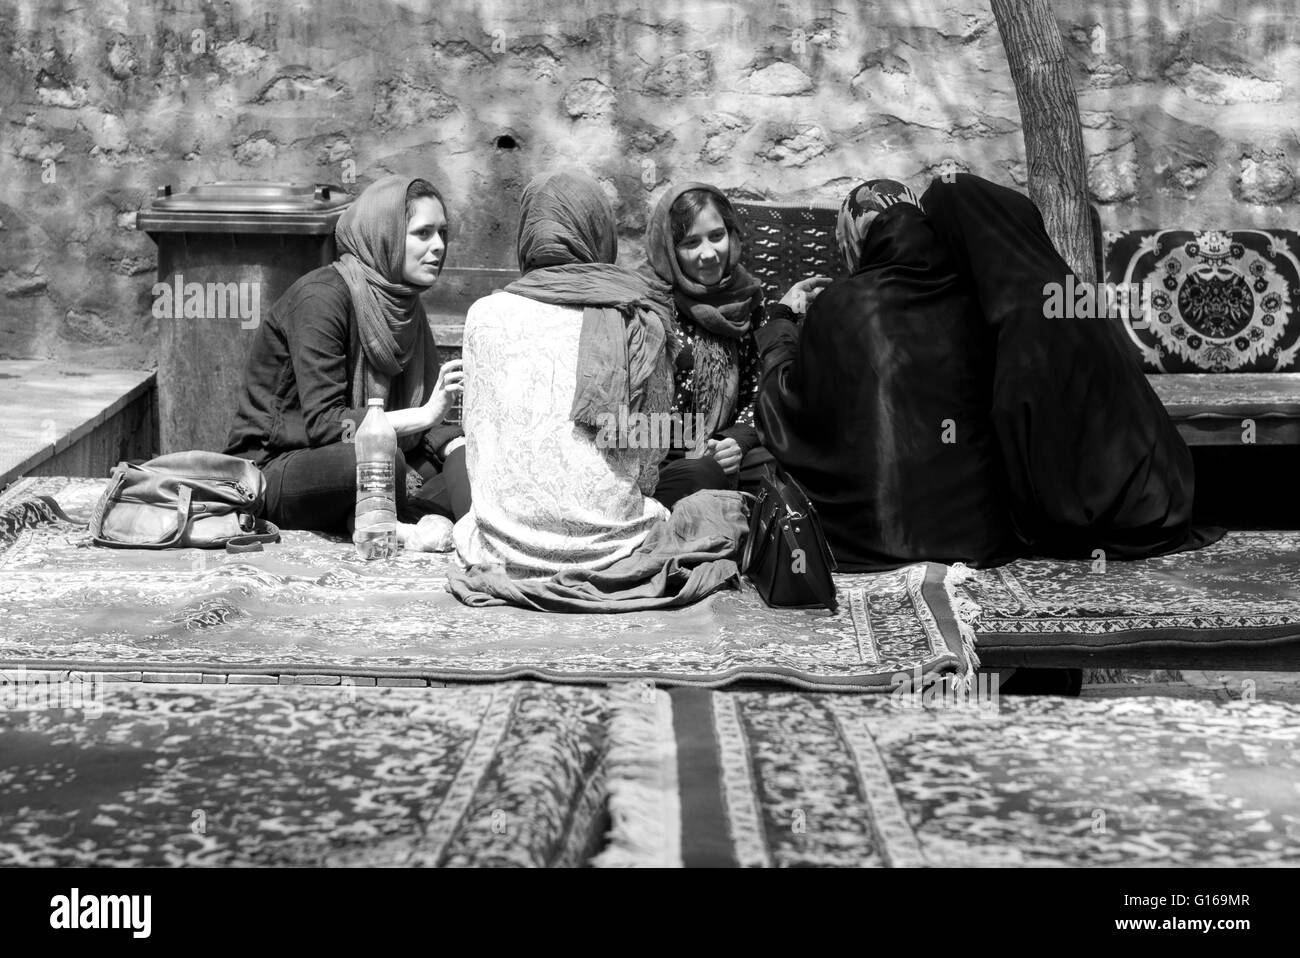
(252, 542)
(182, 521)
(810, 513)
(747, 555)
(97, 517)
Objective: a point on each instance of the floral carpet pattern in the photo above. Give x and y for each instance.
(501, 775)
(784, 779)
(1243, 589)
(308, 605)
(1220, 300)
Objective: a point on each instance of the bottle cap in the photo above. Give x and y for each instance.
(374, 401)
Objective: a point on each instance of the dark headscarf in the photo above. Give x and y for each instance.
(722, 312)
(397, 358)
(860, 208)
(567, 247)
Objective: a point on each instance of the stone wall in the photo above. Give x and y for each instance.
(1191, 112)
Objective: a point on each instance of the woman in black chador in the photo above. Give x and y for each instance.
(933, 412)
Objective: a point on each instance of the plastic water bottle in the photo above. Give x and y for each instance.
(375, 532)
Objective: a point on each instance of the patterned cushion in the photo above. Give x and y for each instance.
(1221, 300)
(787, 242)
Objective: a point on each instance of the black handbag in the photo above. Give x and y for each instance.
(786, 556)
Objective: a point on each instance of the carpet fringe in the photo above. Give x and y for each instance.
(644, 805)
(967, 612)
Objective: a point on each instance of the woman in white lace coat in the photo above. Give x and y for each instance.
(556, 368)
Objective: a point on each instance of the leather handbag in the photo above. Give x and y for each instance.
(196, 499)
(786, 556)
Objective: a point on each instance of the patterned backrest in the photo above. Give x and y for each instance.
(787, 242)
(1220, 300)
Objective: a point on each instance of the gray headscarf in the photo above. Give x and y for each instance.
(397, 360)
(567, 246)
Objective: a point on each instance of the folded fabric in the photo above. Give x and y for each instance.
(687, 557)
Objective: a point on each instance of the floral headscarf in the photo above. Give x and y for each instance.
(863, 204)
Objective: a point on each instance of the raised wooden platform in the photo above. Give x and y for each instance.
(1220, 409)
(1282, 655)
(73, 421)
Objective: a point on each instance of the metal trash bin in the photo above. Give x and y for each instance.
(226, 253)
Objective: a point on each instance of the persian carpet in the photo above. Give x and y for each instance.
(309, 606)
(756, 779)
(1242, 591)
(500, 775)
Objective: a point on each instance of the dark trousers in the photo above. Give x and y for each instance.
(316, 489)
(678, 478)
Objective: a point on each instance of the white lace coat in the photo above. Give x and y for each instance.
(546, 497)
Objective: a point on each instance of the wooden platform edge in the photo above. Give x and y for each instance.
(84, 430)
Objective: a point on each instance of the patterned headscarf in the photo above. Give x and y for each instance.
(863, 204)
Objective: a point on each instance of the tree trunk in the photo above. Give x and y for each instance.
(1049, 117)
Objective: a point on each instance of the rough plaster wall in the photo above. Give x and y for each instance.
(1191, 114)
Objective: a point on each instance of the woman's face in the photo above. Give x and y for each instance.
(426, 242)
(704, 251)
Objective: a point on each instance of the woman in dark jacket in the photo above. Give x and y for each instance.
(340, 335)
(694, 246)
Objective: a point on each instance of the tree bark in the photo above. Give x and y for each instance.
(1049, 119)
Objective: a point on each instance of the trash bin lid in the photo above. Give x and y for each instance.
(246, 207)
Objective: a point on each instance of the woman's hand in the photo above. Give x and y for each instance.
(802, 293)
(727, 453)
(451, 380)
(423, 418)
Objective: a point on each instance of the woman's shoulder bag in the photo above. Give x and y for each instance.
(196, 499)
(786, 556)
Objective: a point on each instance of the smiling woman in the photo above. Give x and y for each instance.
(345, 334)
(693, 243)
